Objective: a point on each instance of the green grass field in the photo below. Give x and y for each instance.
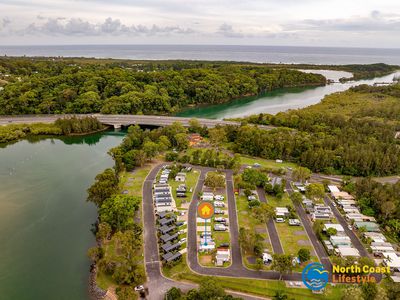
(263, 288)
(266, 163)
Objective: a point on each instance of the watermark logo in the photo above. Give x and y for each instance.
(314, 276)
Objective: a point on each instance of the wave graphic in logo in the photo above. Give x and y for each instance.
(315, 277)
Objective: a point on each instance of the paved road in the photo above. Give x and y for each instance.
(319, 249)
(273, 234)
(118, 120)
(157, 283)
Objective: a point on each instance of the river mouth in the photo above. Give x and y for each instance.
(280, 100)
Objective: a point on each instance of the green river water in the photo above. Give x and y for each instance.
(44, 219)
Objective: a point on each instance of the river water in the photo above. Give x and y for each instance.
(44, 219)
(279, 100)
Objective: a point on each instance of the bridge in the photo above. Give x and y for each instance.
(117, 121)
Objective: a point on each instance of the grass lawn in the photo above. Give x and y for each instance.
(263, 288)
(274, 201)
(266, 163)
(291, 239)
(191, 181)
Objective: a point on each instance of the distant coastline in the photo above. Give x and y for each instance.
(258, 54)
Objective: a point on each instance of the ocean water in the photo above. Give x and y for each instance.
(259, 54)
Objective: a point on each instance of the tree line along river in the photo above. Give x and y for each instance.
(44, 219)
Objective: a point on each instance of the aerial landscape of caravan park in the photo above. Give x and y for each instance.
(199, 150)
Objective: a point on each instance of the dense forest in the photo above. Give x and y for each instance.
(351, 133)
(32, 86)
(379, 200)
(62, 126)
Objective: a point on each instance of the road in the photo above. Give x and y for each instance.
(273, 234)
(118, 120)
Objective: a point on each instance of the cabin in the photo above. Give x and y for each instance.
(347, 251)
(168, 247)
(294, 222)
(337, 240)
(339, 228)
(166, 229)
(223, 255)
(167, 238)
(281, 212)
(180, 177)
(165, 221)
(169, 257)
(369, 226)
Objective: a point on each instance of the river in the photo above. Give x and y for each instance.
(44, 219)
(279, 100)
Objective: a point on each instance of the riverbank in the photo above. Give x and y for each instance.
(61, 127)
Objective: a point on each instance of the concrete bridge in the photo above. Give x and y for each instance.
(117, 121)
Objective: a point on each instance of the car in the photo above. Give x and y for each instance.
(224, 245)
(139, 288)
(280, 220)
(182, 240)
(334, 204)
(350, 227)
(180, 223)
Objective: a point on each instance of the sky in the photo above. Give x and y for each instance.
(341, 23)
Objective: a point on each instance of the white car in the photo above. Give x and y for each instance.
(350, 227)
(219, 198)
(183, 240)
(139, 288)
(280, 220)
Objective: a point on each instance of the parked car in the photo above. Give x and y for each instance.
(219, 198)
(280, 220)
(139, 288)
(183, 240)
(226, 245)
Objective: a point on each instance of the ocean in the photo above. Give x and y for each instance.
(259, 54)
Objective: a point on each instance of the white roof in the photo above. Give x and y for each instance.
(340, 238)
(393, 260)
(282, 209)
(338, 227)
(347, 251)
(333, 188)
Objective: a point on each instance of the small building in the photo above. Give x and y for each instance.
(322, 209)
(194, 139)
(169, 257)
(347, 251)
(207, 196)
(294, 222)
(220, 227)
(333, 189)
(281, 211)
(392, 260)
(206, 245)
(369, 226)
(164, 208)
(223, 255)
(181, 176)
(166, 229)
(375, 237)
(300, 186)
(166, 221)
(342, 195)
(320, 216)
(337, 240)
(339, 228)
(329, 247)
(168, 247)
(167, 238)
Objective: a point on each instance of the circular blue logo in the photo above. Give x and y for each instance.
(314, 276)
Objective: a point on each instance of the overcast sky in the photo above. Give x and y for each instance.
(347, 23)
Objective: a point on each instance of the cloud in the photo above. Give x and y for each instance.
(228, 31)
(375, 21)
(80, 27)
